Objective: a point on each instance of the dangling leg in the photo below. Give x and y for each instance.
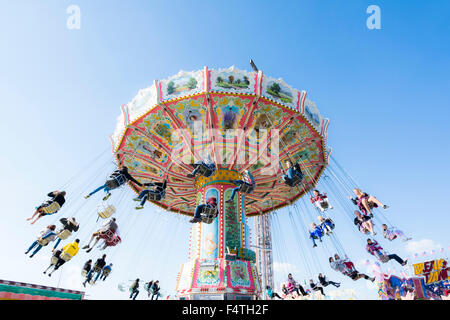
(34, 214)
(57, 243)
(378, 202)
(36, 251)
(96, 241)
(312, 237)
(197, 214)
(95, 191)
(31, 247)
(398, 259)
(366, 205)
(143, 199)
(233, 193)
(48, 268)
(92, 238)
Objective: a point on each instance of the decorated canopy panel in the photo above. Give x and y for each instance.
(240, 120)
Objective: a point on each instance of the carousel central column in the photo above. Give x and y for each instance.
(220, 265)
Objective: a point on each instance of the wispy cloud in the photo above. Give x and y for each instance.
(284, 267)
(421, 246)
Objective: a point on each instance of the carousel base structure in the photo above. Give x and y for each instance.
(218, 279)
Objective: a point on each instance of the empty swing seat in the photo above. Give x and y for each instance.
(209, 214)
(107, 211)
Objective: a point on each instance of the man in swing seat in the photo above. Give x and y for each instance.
(294, 174)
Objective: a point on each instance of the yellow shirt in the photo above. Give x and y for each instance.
(71, 248)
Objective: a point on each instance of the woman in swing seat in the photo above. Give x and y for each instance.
(376, 250)
(347, 268)
(247, 181)
(394, 233)
(117, 179)
(364, 223)
(320, 201)
(50, 206)
(47, 235)
(366, 202)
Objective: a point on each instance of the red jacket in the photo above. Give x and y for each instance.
(319, 197)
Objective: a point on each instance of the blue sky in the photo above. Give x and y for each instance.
(385, 91)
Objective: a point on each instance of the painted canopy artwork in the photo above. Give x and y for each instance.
(229, 115)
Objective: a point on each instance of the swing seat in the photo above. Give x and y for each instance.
(246, 188)
(156, 196)
(50, 208)
(97, 269)
(209, 214)
(107, 211)
(65, 256)
(113, 241)
(64, 234)
(84, 273)
(53, 260)
(384, 258)
(116, 181)
(204, 170)
(324, 204)
(106, 272)
(42, 242)
(295, 181)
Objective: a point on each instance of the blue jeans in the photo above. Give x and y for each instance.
(135, 293)
(199, 210)
(233, 193)
(157, 294)
(315, 235)
(144, 195)
(33, 245)
(100, 188)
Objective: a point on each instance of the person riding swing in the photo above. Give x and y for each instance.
(294, 174)
(157, 194)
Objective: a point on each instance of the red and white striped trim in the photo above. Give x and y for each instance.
(36, 286)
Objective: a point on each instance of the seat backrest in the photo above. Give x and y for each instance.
(65, 256)
(42, 242)
(209, 214)
(245, 188)
(64, 234)
(107, 212)
(51, 208)
(53, 260)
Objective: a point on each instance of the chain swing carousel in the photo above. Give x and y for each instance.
(239, 121)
